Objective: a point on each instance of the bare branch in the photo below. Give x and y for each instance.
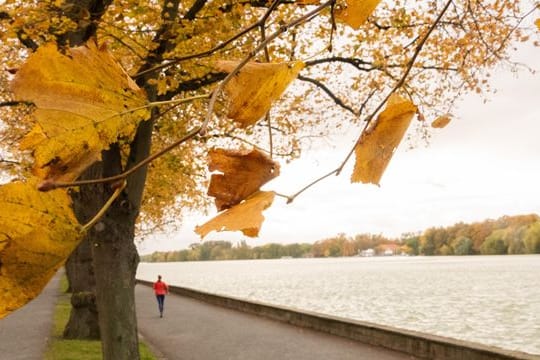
(357, 63)
(328, 92)
(291, 198)
(15, 103)
(11, 162)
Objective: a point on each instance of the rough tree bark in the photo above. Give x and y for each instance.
(83, 319)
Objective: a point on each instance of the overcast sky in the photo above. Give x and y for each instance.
(484, 164)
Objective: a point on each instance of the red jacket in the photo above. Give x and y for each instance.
(160, 288)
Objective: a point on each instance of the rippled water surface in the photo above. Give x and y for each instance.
(488, 299)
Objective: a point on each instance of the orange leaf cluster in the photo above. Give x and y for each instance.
(236, 190)
(377, 144)
(242, 174)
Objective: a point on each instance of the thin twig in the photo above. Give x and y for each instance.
(267, 59)
(291, 198)
(15, 103)
(328, 92)
(7, 161)
(157, 103)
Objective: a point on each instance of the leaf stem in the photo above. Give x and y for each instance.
(104, 209)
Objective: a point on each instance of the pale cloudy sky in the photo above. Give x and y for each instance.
(484, 164)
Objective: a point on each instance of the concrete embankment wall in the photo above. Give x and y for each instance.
(417, 344)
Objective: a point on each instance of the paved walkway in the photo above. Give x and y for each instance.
(189, 330)
(193, 330)
(24, 333)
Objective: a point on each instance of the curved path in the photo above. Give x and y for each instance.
(193, 330)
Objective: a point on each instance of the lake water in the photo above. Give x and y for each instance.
(492, 300)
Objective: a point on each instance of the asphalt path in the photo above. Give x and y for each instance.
(25, 332)
(193, 330)
(189, 330)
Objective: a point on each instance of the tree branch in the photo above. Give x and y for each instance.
(328, 92)
(370, 117)
(195, 84)
(48, 185)
(15, 103)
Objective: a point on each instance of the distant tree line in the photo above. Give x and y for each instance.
(506, 235)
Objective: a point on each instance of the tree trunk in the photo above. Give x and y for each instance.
(83, 319)
(115, 262)
(115, 258)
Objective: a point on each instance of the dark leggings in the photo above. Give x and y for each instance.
(161, 302)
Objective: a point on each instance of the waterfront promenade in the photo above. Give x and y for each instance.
(190, 329)
(194, 330)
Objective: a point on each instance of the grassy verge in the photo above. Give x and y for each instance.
(62, 349)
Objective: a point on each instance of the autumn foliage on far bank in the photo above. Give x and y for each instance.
(505, 235)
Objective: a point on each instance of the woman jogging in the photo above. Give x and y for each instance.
(160, 289)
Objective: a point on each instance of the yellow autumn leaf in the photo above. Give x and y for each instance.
(251, 92)
(38, 232)
(441, 121)
(83, 98)
(377, 144)
(246, 216)
(537, 23)
(241, 173)
(356, 12)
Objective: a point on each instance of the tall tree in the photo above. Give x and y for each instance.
(373, 69)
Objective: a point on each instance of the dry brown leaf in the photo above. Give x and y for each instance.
(242, 173)
(251, 92)
(38, 231)
(356, 12)
(246, 216)
(377, 145)
(441, 122)
(82, 97)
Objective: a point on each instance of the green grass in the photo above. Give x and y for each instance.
(63, 349)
